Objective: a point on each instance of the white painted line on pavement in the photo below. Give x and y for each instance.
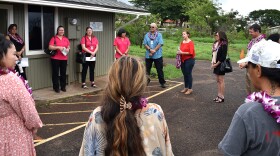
(59, 135)
(73, 103)
(81, 126)
(62, 124)
(71, 112)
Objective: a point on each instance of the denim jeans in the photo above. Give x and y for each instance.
(187, 67)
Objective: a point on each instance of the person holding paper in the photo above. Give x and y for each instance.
(20, 48)
(59, 61)
(89, 45)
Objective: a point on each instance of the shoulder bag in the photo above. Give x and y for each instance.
(51, 52)
(80, 56)
(226, 66)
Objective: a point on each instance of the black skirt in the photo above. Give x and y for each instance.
(217, 70)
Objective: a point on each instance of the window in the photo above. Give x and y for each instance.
(36, 16)
(40, 26)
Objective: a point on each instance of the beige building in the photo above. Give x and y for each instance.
(37, 21)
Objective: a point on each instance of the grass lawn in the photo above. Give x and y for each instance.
(203, 49)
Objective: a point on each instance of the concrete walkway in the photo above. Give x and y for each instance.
(47, 94)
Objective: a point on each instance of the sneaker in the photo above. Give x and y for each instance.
(93, 85)
(162, 86)
(84, 86)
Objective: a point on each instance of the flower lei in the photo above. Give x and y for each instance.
(268, 103)
(6, 71)
(255, 40)
(151, 36)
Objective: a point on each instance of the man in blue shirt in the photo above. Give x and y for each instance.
(153, 43)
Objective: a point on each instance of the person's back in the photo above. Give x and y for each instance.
(153, 127)
(259, 131)
(125, 124)
(255, 127)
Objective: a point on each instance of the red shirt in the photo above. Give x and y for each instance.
(64, 42)
(122, 45)
(187, 47)
(90, 44)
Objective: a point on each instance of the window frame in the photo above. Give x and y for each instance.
(10, 10)
(26, 25)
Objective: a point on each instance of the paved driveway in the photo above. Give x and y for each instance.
(196, 123)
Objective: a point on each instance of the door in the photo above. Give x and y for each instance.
(4, 21)
(6, 16)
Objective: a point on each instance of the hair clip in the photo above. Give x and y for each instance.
(124, 105)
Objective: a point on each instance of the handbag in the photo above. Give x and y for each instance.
(50, 52)
(178, 61)
(80, 57)
(226, 66)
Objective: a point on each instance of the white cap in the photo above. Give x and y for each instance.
(264, 53)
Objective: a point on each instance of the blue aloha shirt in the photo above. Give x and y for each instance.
(152, 44)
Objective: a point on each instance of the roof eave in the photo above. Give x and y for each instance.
(80, 6)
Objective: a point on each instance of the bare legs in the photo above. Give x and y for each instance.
(221, 85)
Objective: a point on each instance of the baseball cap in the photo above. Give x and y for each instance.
(264, 53)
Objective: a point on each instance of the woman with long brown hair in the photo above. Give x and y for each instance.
(216, 65)
(125, 125)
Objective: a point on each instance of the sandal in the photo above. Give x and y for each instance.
(216, 99)
(220, 100)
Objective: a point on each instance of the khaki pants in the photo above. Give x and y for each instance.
(249, 86)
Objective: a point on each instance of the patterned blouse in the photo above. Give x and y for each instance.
(153, 128)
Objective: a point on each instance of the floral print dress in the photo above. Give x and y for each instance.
(18, 117)
(153, 128)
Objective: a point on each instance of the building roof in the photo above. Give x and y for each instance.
(97, 5)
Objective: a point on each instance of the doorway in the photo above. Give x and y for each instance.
(6, 16)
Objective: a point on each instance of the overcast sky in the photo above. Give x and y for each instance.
(244, 7)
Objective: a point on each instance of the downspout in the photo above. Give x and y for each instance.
(136, 18)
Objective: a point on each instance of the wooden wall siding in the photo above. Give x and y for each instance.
(105, 54)
(39, 73)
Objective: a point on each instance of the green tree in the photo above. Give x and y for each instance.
(167, 9)
(267, 17)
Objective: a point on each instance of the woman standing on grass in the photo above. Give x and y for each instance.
(221, 56)
(187, 53)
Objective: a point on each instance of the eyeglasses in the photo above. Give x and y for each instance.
(152, 27)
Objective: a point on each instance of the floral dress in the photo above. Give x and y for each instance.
(18, 117)
(153, 128)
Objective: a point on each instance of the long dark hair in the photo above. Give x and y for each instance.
(4, 46)
(126, 78)
(223, 38)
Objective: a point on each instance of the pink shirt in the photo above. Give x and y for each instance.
(122, 45)
(64, 42)
(90, 44)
